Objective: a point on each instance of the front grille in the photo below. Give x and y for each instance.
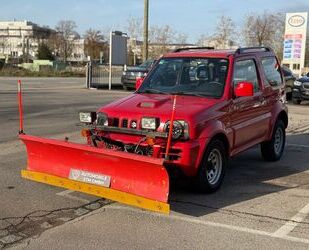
(124, 123)
(306, 85)
(115, 122)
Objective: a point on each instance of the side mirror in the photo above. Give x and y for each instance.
(244, 89)
(138, 82)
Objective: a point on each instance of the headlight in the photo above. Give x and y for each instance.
(139, 74)
(102, 119)
(297, 83)
(124, 73)
(149, 123)
(87, 117)
(180, 129)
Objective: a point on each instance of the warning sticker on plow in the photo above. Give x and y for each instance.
(84, 176)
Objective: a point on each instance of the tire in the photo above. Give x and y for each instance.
(288, 96)
(296, 101)
(209, 177)
(272, 150)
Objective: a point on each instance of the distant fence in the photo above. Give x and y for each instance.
(97, 76)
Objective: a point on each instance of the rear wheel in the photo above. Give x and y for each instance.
(212, 169)
(272, 150)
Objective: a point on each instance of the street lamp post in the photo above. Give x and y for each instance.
(145, 43)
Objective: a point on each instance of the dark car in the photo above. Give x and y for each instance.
(301, 89)
(129, 76)
(289, 81)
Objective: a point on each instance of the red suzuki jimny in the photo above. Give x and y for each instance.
(220, 102)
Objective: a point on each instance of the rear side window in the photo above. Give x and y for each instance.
(245, 71)
(272, 71)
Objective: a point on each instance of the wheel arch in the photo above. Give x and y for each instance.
(222, 137)
(284, 117)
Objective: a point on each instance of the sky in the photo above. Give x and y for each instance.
(191, 17)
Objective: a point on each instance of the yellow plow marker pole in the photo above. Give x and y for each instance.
(103, 192)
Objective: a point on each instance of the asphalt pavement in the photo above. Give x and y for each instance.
(260, 205)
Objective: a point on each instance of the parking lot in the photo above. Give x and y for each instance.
(261, 205)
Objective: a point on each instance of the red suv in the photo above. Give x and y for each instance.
(225, 101)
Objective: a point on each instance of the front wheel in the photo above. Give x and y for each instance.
(212, 169)
(296, 101)
(289, 96)
(272, 150)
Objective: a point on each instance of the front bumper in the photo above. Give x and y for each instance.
(128, 82)
(300, 93)
(184, 154)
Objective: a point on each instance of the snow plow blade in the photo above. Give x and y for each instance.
(123, 177)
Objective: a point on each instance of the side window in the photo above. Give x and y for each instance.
(272, 71)
(245, 71)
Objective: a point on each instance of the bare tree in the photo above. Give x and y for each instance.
(135, 27)
(181, 38)
(225, 32)
(63, 41)
(223, 38)
(265, 30)
(160, 37)
(94, 43)
(202, 40)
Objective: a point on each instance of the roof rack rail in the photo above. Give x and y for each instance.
(253, 49)
(192, 48)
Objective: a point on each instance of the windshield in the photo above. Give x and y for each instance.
(187, 76)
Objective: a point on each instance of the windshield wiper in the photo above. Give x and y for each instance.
(154, 91)
(188, 93)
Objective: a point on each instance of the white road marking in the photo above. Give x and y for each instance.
(297, 145)
(294, 221)
(67, 194)
(213, 224)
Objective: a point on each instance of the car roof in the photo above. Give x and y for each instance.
(221, 53)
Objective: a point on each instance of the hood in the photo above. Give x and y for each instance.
(158, 105)
(303, 79)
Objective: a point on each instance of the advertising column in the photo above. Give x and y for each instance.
(295, 41)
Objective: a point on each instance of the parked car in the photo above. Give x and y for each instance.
(289, 81)
(301, 89)
(212, 104)
(130, 75)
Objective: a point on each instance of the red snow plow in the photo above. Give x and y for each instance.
(131, 179)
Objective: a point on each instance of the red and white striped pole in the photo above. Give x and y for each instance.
(20, 108)
(170, 133)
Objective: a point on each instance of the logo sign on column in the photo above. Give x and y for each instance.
(296, 21)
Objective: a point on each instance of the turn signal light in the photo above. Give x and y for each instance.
(85, 132)
(150, 141)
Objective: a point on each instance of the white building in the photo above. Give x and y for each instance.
(19, 38)
(78, 51)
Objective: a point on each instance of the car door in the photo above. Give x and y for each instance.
(247, 115)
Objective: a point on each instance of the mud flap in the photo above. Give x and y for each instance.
(124, 177)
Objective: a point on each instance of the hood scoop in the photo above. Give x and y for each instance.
(152, 103)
